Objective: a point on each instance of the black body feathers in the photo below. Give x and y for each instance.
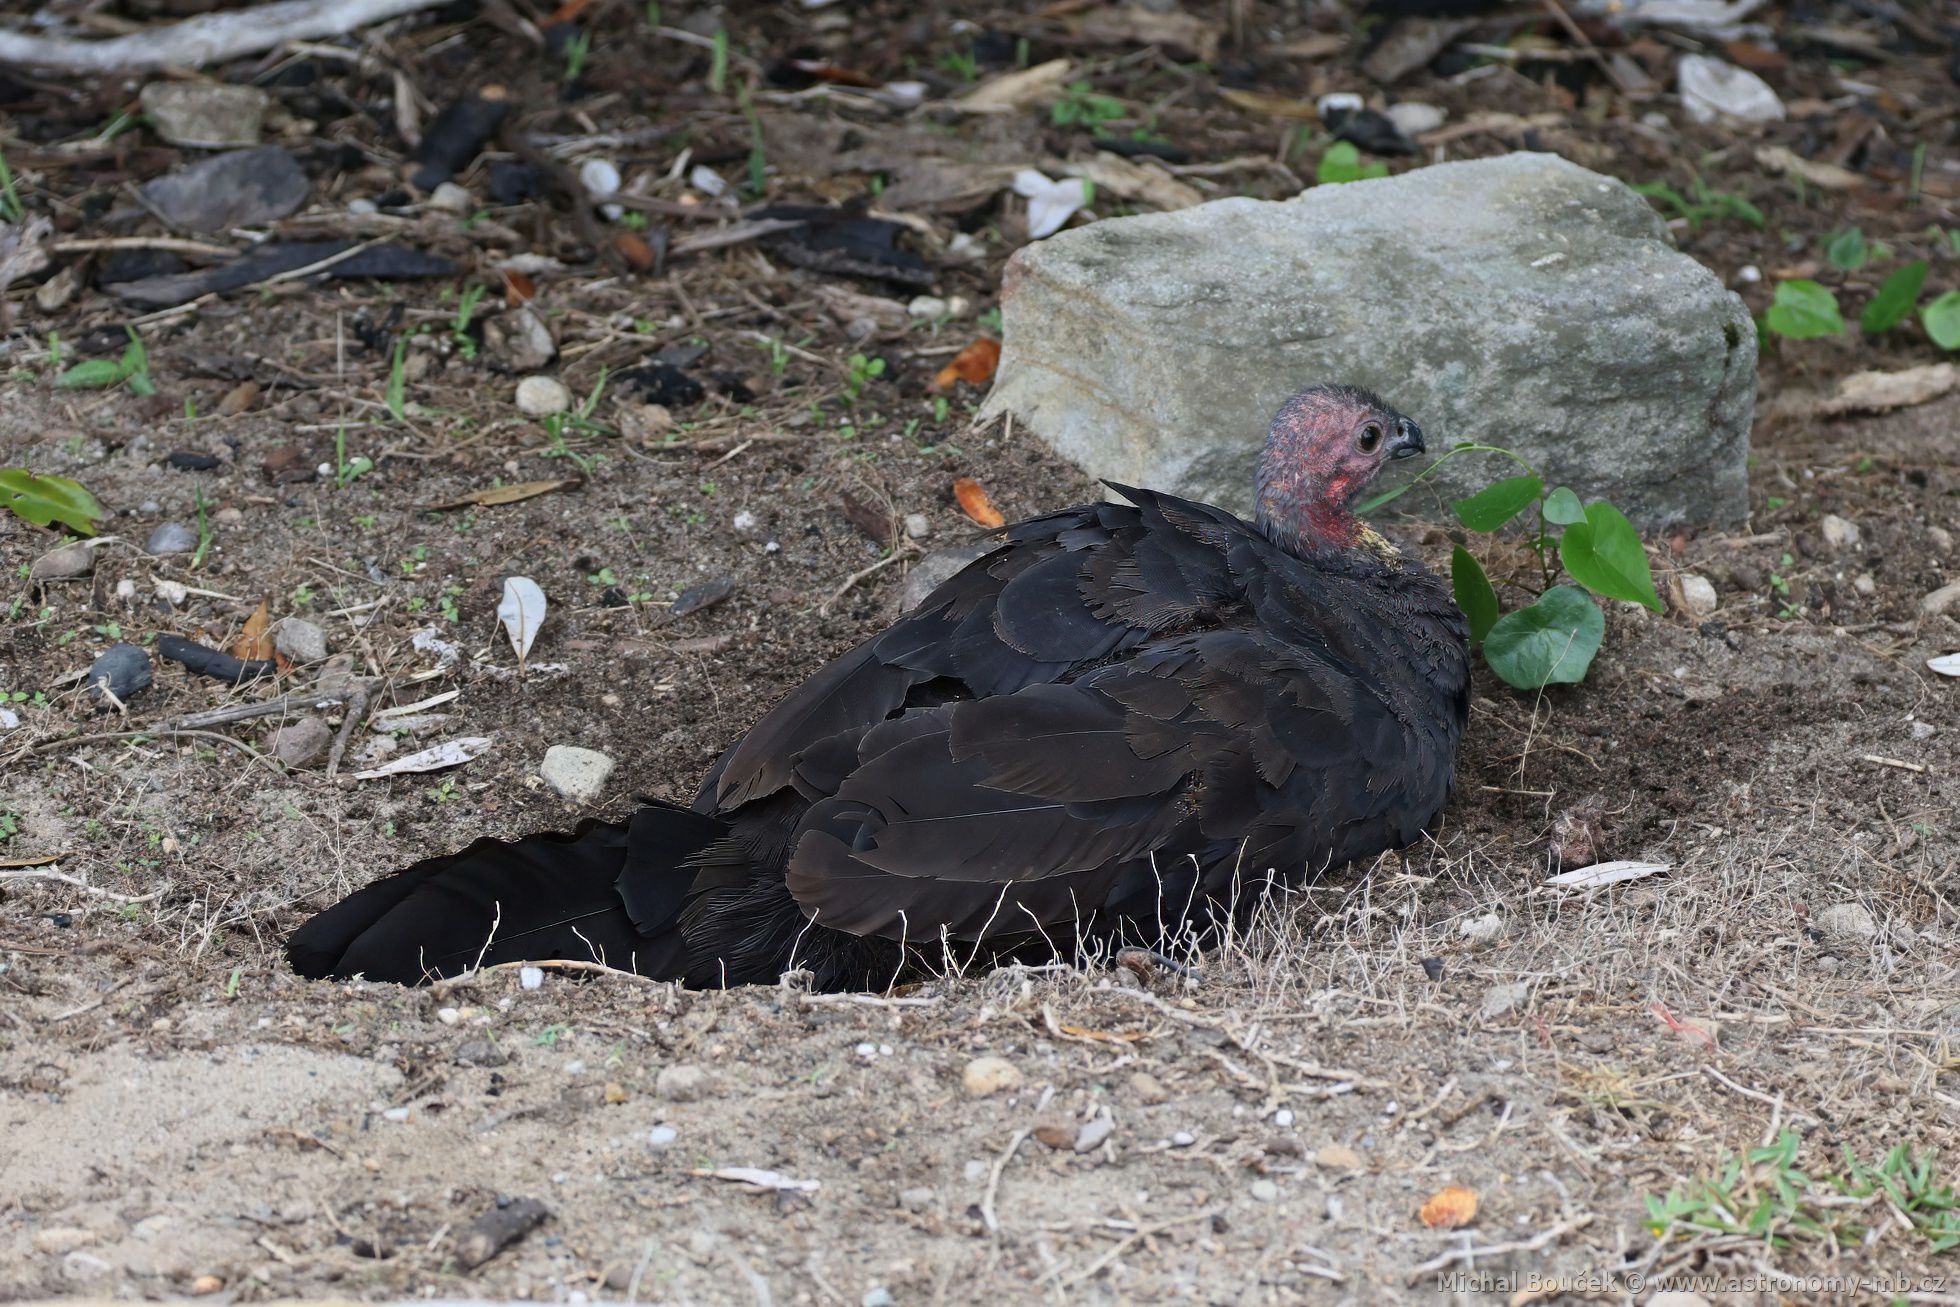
(1115, 726)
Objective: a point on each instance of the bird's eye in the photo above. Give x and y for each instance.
(1369, 439)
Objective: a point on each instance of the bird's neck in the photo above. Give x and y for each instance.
(1310, 519)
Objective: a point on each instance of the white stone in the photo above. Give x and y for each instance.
(1847, 923)
(990, 1075)
(543, 396)
(1698, 594)
(1838, 533)
(916, 526)
(1500, 1000)
(577, 774)
(1414, 118)
(451, 198)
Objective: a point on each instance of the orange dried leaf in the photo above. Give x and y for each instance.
(1450, 1209)
(254, 642)
(518, 288)
(974, 364)
(973, 501)
(634, 249)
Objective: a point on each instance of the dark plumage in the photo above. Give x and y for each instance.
(1118, 727)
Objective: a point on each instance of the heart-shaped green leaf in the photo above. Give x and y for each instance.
(1498, 502)
(1562, 507)
(1804, 310)
(1942, 319)
(1550, 643)
(1603, 553)
(46, 500)
(1895, 298)
(1473, 592)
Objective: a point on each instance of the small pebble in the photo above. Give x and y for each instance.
(745, 521)
(62, 1239)
(1098, 1128)
(917, 527)
(1265, 1191)
(543, 396)
(171, 538)
(1283, 1118)
(1698, 594)
(1847, 923)
(1339, 1157)
(125, 668)
(300, 640)
(1482, 930)
(1148, 1088)
(917, 1199)
(451, 198)
(927, 308)
(1500, 1000)
(1415, 118)
(530, 978)
(576, 774)
(662, 1135)
(682, 1083)
(449, 1016)
(63, 563)
(877, 1296)
(395, 1114)
(299, 743)
(1838, 533)
(1183, 1139)
(990, 1075)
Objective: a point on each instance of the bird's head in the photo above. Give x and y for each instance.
(1325, 445)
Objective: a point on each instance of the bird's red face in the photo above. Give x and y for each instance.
(1325, 445)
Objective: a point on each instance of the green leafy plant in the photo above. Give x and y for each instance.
(577, 51)
(100, 374)
(45, 500)
(1803, 310)
(1941, 319)
(1894, 300)
(860, 371)
(1342, 163)
(1552, 639)
(11, 208)
(459, 328)
(1702, 204)
(347, 470)
(960, 63)
(1764, 1192)
(718, 62)
(1848, 250)
(1082, 106)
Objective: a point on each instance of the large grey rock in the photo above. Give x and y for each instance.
(1520, 301)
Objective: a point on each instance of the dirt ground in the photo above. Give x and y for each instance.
(179, 1114)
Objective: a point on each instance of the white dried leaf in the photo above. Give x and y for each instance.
(1050, 203)
(522, 612)
(1601, 874)
(759, 1178)
(450, 753)
(1945, 664)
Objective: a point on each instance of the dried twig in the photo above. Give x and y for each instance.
(1537, 1241)
(207, 38)
(987, 1217)
(79, 884)
(357, 706)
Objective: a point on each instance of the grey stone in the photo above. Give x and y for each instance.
(1501, 1000)
(480, 1052)
(576, 774)
(1847, 923)
(124, 668)
(543, 396)
(299, 743)
(240, 188)
(300, 640)
(918, 1199)
(205, 115)
(1521, 301)
(171, 538)
(682, 1083)
(63, 564)
(934, 570)
(518, 341)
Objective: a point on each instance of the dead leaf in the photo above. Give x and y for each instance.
(522, 613)
(1273, 106)
(1450, 1209)
(975, 365)
(974, 502)
(510, 494)
(875, 523)
(1877, 392)
(32, 860)
(1829, 176)
(759, 1179)
(1314, 45)
(1137, 179)
(238, 399)
(450, 753)
(518, 288)
(1104, 1036)
(1016, 90)
(1602, 874)
(254, 641)
(1180, 33)
(633, 248)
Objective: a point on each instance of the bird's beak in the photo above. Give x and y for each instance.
(1407, 440)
